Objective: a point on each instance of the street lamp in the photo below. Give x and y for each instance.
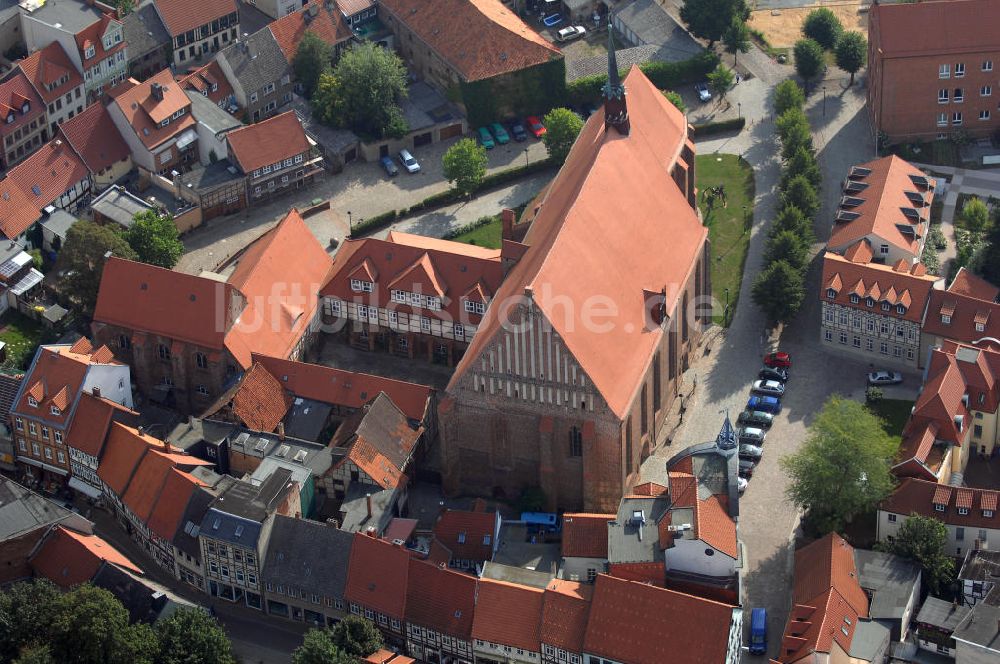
(525, 157)
(350, 224)
(739, 108)
(824, 101)
(725, 313)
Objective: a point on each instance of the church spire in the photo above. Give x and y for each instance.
(615, 108)
(726, 440)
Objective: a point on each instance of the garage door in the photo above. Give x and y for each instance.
(452, 131)
(422, 139)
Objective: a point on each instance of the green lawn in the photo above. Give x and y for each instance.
(894, 412)
(942, 153)
(728, 227)
(22, 336)
(484, 236)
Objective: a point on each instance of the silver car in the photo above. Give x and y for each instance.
(885, 378)
(769, 387)
(752, 452)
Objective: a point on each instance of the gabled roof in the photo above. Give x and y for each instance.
(508, 614)
(585, 535)
(880, 206)
(918, 496)
(321, 18)
(643, 624)
(377, 576)
(144, 31)
(52, 170)
(180, 16)
(255, 61)
(379, 441)
(210, 81)
(166, 515)
(619, 189)
(268, 142)
(478, 38)
(261, 401)
(46, 67)
(292, 558)
(972, 285)
(68, 558)
(93, 36)
(123, 451)
(144, 112)
(909, 289)
(565, 609)
(969, 302)
(959, 26)
(346, 388)
(92, 422)
(94, 136)
(440, 599)
(469, 535)
(17, 211)
(14, 92)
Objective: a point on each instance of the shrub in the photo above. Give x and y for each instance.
(709, 128)
(788, 94)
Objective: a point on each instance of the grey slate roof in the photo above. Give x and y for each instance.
(23, 510)
(186, 537)
(119, 204)
(384, 426)
(980, 565)
(8, 390)
(982, 626)
(256, 61)
(237, 514)
(890, 578)
(868, 640)
(648, 23)
(208, 113)
(942, 614)
(191, 433)
(354, 508)
(308, 555)
(144, 31)
(598, 64)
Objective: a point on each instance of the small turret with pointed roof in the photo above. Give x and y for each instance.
(615, 108)
(726, 440)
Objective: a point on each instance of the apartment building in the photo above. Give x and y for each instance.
(58, 84)
(440, 605)
(274, 155)
(378, 573)
(24, 126)
(149, 43)
(198, 29)
(87, 435)
(931, 70)
(94, 137)
(967, 312)
(259, 74)
(47, 399)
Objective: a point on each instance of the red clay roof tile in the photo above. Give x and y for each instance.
(271, 141)
(440, 599)
(468, 535)
(377, 576)
(94, 136)
(68, 558)
(585, 535)
(565, 609)
(91, 423)
(323, 19)
(873, 279)
(46, 67)
(180, 16)
(261, 401)
(508, 614)
(904, 27)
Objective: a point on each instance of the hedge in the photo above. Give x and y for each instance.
(467, 228)
(664, 75)
(709, 128)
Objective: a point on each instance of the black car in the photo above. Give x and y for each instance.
(773, 373)
(518, 132)
(746, 468)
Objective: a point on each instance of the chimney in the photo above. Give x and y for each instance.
(166, 447)
(508, 218)
(368, 503)
(140, 429)
(157, 91)
(281, 430)
(96, 391)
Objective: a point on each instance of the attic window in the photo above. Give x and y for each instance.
(55, 410)
(963, 510)
(844, 630)
(845, 215)
(946, 319)
(831, 293)
(32, 402)
(980, 327)
(461, 538)
(900, 309)
(239, 531)
(988, 513)
(911, 213)
(217, 523)
(851, 201)
(938, 507)
(869, 301)
(36, 190)
(860, 172)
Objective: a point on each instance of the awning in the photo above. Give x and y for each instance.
(39, 464)
(186, 139)
(84, 488)
(27, 282)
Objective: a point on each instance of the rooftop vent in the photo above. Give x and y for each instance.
(300, 456)
(261, 445)
(282, 451)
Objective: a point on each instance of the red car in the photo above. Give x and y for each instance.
(535, 126)
(779, 359)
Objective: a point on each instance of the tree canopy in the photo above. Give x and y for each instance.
(801, 163)
(312, 58)
(990, 267)
(356, 636)
(975, 215)
(923, 539)
(89, 625)
(83, 258)
(851, 53)
(788, 246)
(779, 290)
(465, 165)
(676, 99)
(809, 59)
(709, 19)
(721, 80)
(790, 218)
(363, 92)
(736, 38)
(562, 127)
(191, 635)
(318, 647)
(788, 94)
(842, 468)
(823, 26)
(154, 239)
(801, 194)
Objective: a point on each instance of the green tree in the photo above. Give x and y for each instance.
(923, 539)
(465, 165)
(191, 635)
(779, 291)
(356, 636)
(788, 94)
(801, 163)
(709, 19)
(792, 121)
(788, 246)
(797, 137)
(676, 99)
(83, 259)
(851, 53)
(791, 219)
(823, 26)
(154, 239)
(90, 625)
(312, 58)
(809, 59)
(990, 267)
(842, 468)
(801, 194)
(975, 215)
(736, 38)
(23, 608)
(318, 647)
(721, 80)
(125, 7)
(364, 91)
(562, 127)
(36, 654)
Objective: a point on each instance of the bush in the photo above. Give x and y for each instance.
(709, 128)
(809, 59)
(874, 394)
(930, 259)
(788, 94)
(374, 223)
(468, 228)
(936, 238)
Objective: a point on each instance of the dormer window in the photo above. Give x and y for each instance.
(855, 299)
(900, 309)
(359, 286)
(25, 107)
(165, 122)
(89, 53)
(886, 306)
(988, 513)
(830, 293)
(946, 319)
(215, 87)
(55, 410)
(473, 307)
(10, 118)
(963, 510)
(938, 507)
(980, 327)
(32, 401)
(118, 38)
(869, 301)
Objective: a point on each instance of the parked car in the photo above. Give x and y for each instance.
(571, 32)
(535, 126)
(773, 373)
(746, 468)
(757, 418)
(741, 484)
(748, 451)
(767, 404)
(389, 166)
(885, 378)
(772, 387)
(758, 631)
(518, 132)
(552, 20)
(503, 138)
(752, 436)
(409, 163)
(486, 138)
(704, 93)
(778, 359)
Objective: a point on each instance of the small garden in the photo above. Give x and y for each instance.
(893, 412)
(22, 336)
